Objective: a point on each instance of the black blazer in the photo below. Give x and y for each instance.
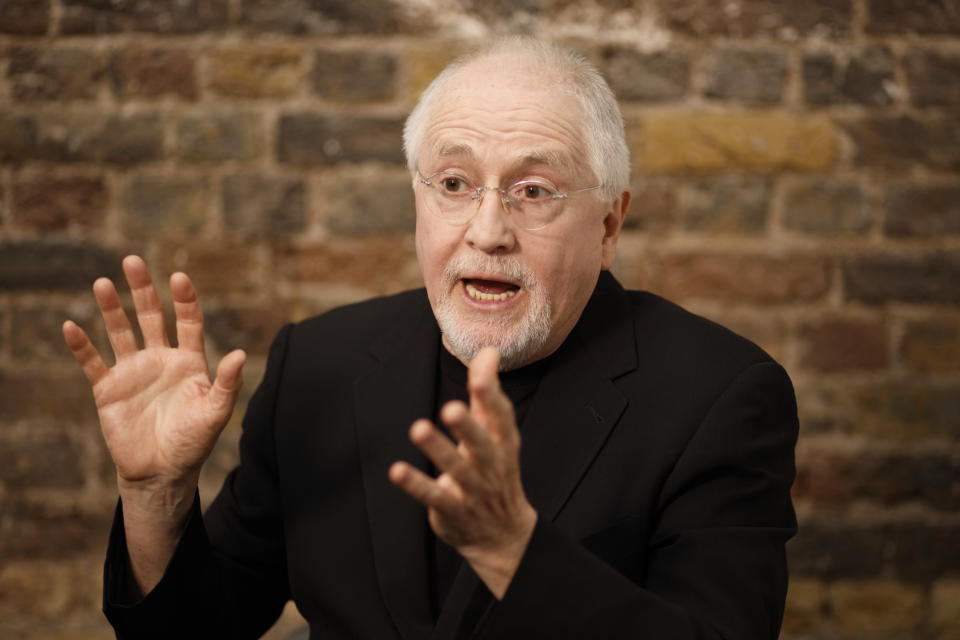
(658, 453)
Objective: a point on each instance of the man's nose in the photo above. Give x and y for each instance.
(490, 229)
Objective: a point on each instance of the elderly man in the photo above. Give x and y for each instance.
(650, 498)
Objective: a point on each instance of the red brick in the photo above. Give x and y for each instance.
(57, 203)
(745, 278)
(914, 277)
(843, 345)
(898, 143)
(370, 266)
(931, 345)
(216, 267)
(152, 73)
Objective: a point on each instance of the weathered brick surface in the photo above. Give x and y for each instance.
(906, 16)
(749, 75)
(137, 72)
(256, 72)
(654, 207)
(24, 17)
(37, 265)
(858, 77)
(744, 278)
(656, 76)
(922, 210)
(826, 207)
(367, 201)
(915, 277)
(170, 204)
(932, 78)
(154, 16)
(725, 206)
(325, 18)
(899, 143)
(354, 76)
(945, 609)
(838, 344)
(931, 344)
(47, 460)
(306, 138)
(794, 174)
(44, 73)
(872, 608)
(710, 141)
(218, 136)
(256, 204)
(781, 18)
(55, 204)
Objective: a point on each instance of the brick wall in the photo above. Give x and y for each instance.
(795, 176)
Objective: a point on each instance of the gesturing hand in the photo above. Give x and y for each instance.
(476, 504)
(159, 412)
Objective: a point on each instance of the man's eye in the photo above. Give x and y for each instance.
(532, 191)
(453, 184)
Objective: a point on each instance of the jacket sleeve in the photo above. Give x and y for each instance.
(227, 577)
(715, 562)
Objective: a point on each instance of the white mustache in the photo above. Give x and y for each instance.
(506, 267)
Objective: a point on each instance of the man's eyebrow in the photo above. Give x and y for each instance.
(455, 149)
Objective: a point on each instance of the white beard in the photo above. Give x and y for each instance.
(517, 339)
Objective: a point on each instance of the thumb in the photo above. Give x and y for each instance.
(227, 384)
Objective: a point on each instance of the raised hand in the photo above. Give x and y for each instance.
(159, 412)
(477, 504)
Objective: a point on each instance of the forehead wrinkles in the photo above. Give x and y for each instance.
(539, 123)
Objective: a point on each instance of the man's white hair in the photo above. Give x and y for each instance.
(607, 154)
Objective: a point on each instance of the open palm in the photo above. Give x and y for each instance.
(159, 412)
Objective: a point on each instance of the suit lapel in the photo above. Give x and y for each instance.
(388, 399)
(575, 409)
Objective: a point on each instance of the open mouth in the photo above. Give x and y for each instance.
(489, 290)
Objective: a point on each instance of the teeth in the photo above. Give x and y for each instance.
(476, 294)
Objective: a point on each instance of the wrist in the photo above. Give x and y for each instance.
(497, 565)
(158, 504)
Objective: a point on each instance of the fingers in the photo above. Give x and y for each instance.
(119, 331)
(422, 487)
(227, 384)
(488, 403)
(146, 302)
(83, 350)
(189, 317)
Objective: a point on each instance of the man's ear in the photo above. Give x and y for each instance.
(612, 223)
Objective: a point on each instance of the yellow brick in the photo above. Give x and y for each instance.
(876, 608)
(804, 606)
(945, 610)
(256, 72)
(753, 141)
